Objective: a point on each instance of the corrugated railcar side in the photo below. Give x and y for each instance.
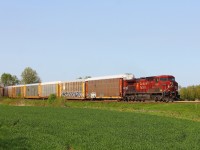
(10, 91)
(5, 91)
(46, 89)
(1, 92)
(32, 91)
(73, 90)
(104, 89)
(18, 91)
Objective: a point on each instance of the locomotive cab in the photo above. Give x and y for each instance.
(169, 87)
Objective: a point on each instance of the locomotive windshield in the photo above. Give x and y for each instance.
(172, 79)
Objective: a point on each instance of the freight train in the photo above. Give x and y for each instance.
(123, 87)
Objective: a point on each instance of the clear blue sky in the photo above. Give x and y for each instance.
(63, 40)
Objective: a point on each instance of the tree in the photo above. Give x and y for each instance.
(190, 93)
(15, 80)
(8, 79)
(30, 76)
(86, 77)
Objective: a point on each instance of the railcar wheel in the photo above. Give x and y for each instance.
(124, 99)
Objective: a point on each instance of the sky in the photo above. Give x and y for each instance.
(63, 40)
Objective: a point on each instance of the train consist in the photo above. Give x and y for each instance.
(119, 87)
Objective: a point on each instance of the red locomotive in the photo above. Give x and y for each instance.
(158, 88)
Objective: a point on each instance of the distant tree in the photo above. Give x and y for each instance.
(30, 76)
(86, 77)
(8, 79)
(15, 80)
(184, 93)
(198, 92)
(190, 93)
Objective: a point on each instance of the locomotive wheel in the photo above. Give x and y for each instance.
(133, 99)
(136, 99)
(163, 99)
(127, 99)
(156, 99)
(167, 100)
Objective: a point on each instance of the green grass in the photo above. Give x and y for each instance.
(176, 110)
(80, 128)
(189, 111)
(98, 125)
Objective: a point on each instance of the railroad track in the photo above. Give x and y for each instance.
(132, 102)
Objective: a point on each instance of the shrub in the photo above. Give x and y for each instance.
(52, 98)
(190, 93)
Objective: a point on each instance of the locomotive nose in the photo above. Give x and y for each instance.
(175, 84)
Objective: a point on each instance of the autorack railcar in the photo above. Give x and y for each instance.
(107, 87)
(48, 88)
(73, 89)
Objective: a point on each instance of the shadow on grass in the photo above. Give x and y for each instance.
(12, 144)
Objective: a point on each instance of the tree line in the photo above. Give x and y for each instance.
(28, 76)
(190, 93)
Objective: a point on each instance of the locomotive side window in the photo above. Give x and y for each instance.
(163, 79)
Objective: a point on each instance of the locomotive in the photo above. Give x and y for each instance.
(159, 88)
(118, 87)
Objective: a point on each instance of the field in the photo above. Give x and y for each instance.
(96, 125)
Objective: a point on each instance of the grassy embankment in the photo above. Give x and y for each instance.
(100, 126)
(189, 111)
